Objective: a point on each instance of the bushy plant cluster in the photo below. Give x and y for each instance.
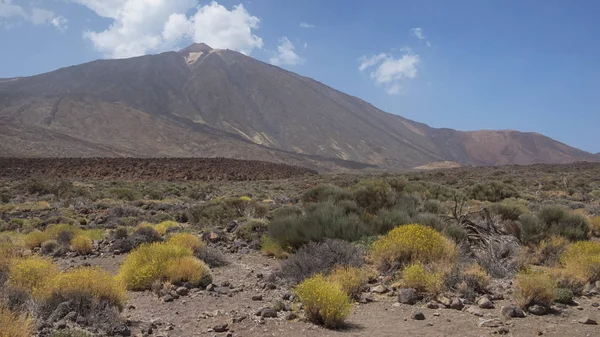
(324, 302)
(553, 220)
(350, 279)
(63, 235)
(221, 211)
(418, 277)
(534, 287)
(14, 324)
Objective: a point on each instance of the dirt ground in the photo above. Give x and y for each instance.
(199, 312)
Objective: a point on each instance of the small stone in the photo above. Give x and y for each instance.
(445, 301)
(436, 314)
(537, 310)
(221, 327)
(489, 323)
(417, 315)
(210, 287)
(287, 297)
(485, 303)
(168, 298)
(433, 305)
(60, 324)
(457, 304)
(291, 316)
(512, 311)
(238, 319)
(408, 296)
(182, 291)
(365, 298)
(268, 313)
(229, 334)
(72, 316)
(257, 298)
(595, 305)
(473, 310)
(587, 320)
(502, 331)
(380, 289)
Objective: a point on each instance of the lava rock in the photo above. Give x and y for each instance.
(512, 311)
(182, 291)
(587, 320)
(221, 327)
(268, 313)
(417, 315)
(537, 310)
(485, 303)
(408, 296)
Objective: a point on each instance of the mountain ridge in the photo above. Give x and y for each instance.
(232, 102)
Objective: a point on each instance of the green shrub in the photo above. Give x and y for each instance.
(373, 195)
(321, 221)
(564, 296)
(534, 288)
(324, 302)
(123, 193)
(508, 209)
(493, 191)
(387, 219)
(430, 220)
(561, 221)
(432, 206)
(532, 229)
(253, 230)
(326, 192)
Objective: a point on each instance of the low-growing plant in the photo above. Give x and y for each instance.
(508, 209)
(350, 279)
(564, 296)
(326, 192)
(412, 243)
(125, 194)
(187, 240)
(418, 277)
(13, 324)
(548, 251)
(270, 247)
(582, 260)
(595, 226)
(164, 226)
(476, 278)
(34, 239)
(373, 195)
(188, 269)
(387, 219)
(324, 302)
(532, 229)
(82, 244)
(32, 274)
(534, 287)
(253, 230)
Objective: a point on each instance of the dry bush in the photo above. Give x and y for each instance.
(187, 240)
(270, 247)
(324, 302)
(32, 274)
(34, 239)
(82, 244)
(534, 288)
(315, 258)
(548, 251)
(253, 230)
(350, 279)
(582, 260)
(476, 278)
(14, 324)
(164, 226)
(188, 269)
(412, 243)
(595, 226)
(423, 279)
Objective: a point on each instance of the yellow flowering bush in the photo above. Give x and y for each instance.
(162, 227)
(34, 239)
(14, 325)
(582, 260)
(412, 243)
(157, 262)
(32, 274)
(595, 226)
(534, 287)
(88, 282)
(324, 302)
(187, 240)
(349, 279)
(188, 269)
(81, 244)
(416, 276)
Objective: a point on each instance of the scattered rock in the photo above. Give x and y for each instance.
(122, 330)
(433, 305)
(71, 316)
(182, 291)
(489, 323)
(380, 289)
(60, 312)
(62, 324)
(221, 327)
(417, 315)
(457, 304)
(287, 296)
(257, 298)
(445, 301)
(473, 310)
(229, 334)
(291, 316)
(485, 303)
(210, 287)
(268, 313)
(587, 320)
(512, 311)
(537, 310)
(408, 296)
(502, 331)
(365, 298)
(238, 319)
(168, 298)
(595, 304)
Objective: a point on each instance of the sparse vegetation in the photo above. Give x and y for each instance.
(324, 302)
(533, 288)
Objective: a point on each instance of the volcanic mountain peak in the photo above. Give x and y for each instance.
(196, 48)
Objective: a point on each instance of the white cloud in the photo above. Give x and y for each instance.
(35, 15)
(390, 72)
(143, 26)
(307, 25)
(420, 34)
(286, 54)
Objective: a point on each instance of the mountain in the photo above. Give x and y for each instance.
(208, 102)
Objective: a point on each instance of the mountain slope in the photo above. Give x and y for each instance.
(206, 102)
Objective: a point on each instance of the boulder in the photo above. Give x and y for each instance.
(417, 315)
(512, 311)
(408, 296)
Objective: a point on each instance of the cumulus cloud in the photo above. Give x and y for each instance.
(10, 12)
(306, 25)
(286, 54)
(420, 34)
(390, 72)
(143, 26)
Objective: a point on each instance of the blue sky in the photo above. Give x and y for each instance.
(528, 65)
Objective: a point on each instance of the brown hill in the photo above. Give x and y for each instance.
(202, 102)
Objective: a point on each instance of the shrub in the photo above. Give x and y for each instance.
(188, 269)
(412, 243)
(49, 247)
(32, 274)
(373, 195)
(595, 226)
(144, 234)
(534, 288)
(324, 302)
(187, 240)
(315, 258)
(125, 194)
(432, 206)
(416, 276)
(476, 277)
(164, 226)
(212, 214)
(493, 191)
(388, 219)
(508, 209)
(582, 259)
(88, 282)
(34, 239)
(548, 251)
(325, 192)
(564, 296)
(532, 229)
(270, 247)
(430, 220)
(350, 279)
(150, 262)
(211, 256)
(321, 221)
(253, 230)
(561, 221)
(13, 324)
(82, 245)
